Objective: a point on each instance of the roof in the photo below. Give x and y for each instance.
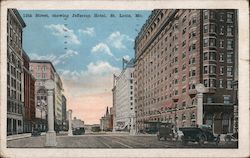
(19, 17)
(42, 62)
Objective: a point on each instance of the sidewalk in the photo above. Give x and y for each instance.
(18, 136)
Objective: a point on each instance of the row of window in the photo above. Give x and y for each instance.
(211, 42)
(212, 82)
(211, 14)
(14, 107)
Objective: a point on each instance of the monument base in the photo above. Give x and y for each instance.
(50, 139)
(70, 133)
(132, 132)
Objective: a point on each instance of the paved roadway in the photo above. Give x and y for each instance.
(109, 141)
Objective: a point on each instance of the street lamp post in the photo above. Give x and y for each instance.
(70, 123)
(50, 135)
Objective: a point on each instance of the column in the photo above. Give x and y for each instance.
(199, 109)
(50, 135)
(11, 127)
(70, 123)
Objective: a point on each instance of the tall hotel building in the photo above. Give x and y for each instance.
(42, 70)
(123, 99)
(174, 51)
(15, 82)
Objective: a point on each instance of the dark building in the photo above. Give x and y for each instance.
(64, 112)
(15, 83)
(29, 96)
(178, 49)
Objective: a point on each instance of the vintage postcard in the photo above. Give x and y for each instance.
(124, 78)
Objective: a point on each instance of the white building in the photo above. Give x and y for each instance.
(123, 101)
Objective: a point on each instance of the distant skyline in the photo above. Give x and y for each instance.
(85, 51)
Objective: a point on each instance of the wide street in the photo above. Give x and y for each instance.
(109, 141)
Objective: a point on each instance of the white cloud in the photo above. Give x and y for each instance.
(101, 48)
(62, 31)
(54, 58)
(88, 31)
(101, 68)
(116, 40)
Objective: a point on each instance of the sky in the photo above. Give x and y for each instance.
(86, 51)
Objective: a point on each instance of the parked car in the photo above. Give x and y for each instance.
(231, 137)
(36, 132)
(198, 134)
(165, 131)
(78, 131)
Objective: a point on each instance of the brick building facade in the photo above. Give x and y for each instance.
(174, 51)
(29, 95)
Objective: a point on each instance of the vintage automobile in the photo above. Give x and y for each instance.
(198, 134)
(78, 131)
(231, 137)
(36, 132)
(165, 131)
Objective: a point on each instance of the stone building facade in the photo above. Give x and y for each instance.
(15, 79)
(106, 122)
(123, 93)
(174, 51)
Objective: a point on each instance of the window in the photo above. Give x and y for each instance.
(212, 56)
(183, 78)
(44, 68)
(192, 47)
(212, 69)
(221, 70)
(212, 14)
(212, 28)
(221, 43)
(183, 43)
(222, 30)
(227, 99)
(192, 34)
(229, 71)
(38, 76)
(229, 84)
(205, 82)
(221, 17)
(184, 31)
(192, 73)
(183, 55)
(212, 82)
(221, 57)
(205, 56)
(212, 42)
(184, 90)
(221, 83)
(192, 61)
(183, 66)
(205, 70)
(229, 57)
(38, 68)
(205, 14)
(205, 29)
(229, 17)
(229, 44)
(205, 42)
(229, 30)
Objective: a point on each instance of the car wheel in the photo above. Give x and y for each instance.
(201, 140)
(158, 137)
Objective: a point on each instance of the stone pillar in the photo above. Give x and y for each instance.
(199, 109)
(70, 123)
(50, 135)
(132, 130)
